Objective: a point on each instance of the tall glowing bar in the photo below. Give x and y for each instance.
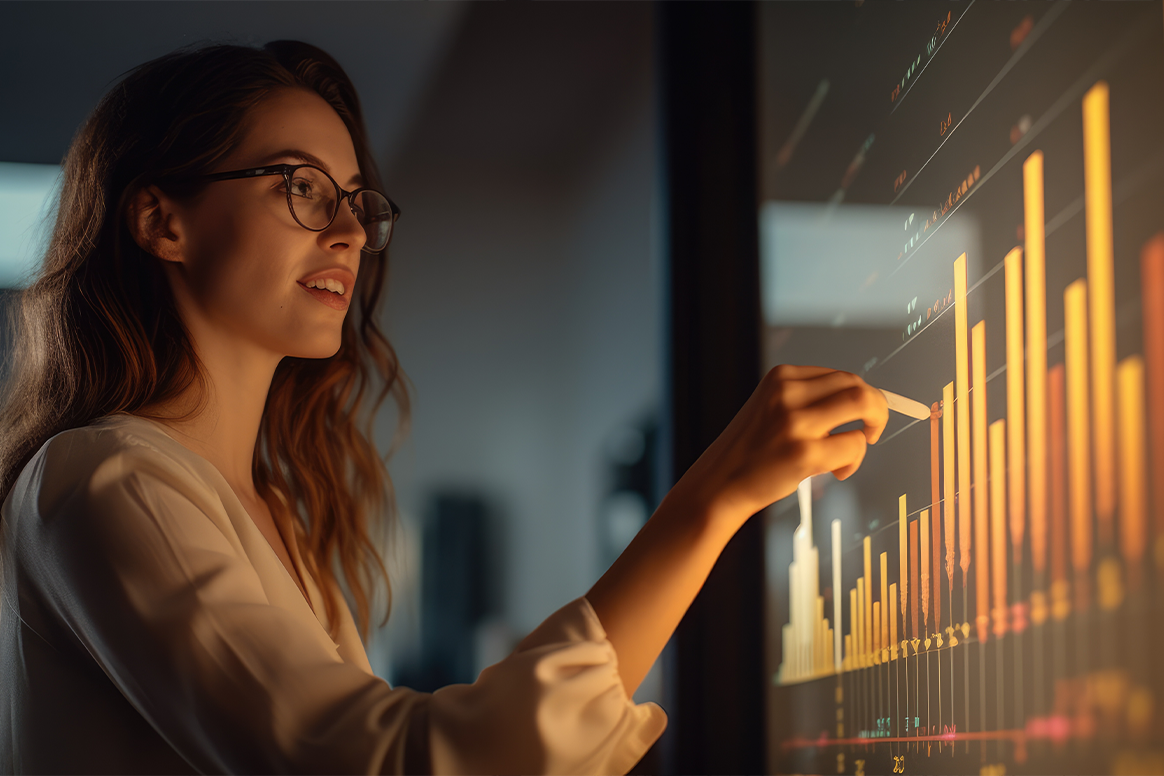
(884, 621)
(1101, 298)
(902, 559)
(1016, 444)
(1152, 287)
(1133, 487)
(1036, 328)
(862, 616)
(962, 381)
(998, 523)
(981, 501)
(851, 640)
(949, 499)
(914, 609)
(867, 547)
(1078, 433)
(1060, 594)
(893, 620)
(837, 622)
(936, 515)
(925, 569)
(877, 646)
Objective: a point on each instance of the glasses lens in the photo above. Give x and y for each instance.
(313, 197)
(374, 212)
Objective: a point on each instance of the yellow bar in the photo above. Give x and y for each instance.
(851, 641)
(818, 642)
(948, 488)
(902, 560)
(893, 620)
(849, 661)
(868, 547)
(1101, 296)
(883, 622)
(1036, 288)
(962, 381)
(1133, 484)
(877, 633)
(1078, 425)
(981, 502)
(1016, 446)
(925, 567)
(862, 652)
(998, 523)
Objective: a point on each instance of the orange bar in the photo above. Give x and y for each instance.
(981, 502)
(868, 548)
(1036, 325)
(893, 619)
(1060, 602)
(877, 645)
(852, 643)
(949, 497)
(902, 559)
(1133, 487)
(915, 632)
(998, 522)
(862, 616)
(962, 381)
(925, 568)
(1101, 297)
(1078, 433)
(1016, 445)
(884, 621)
(1152, 286)
(936, 413)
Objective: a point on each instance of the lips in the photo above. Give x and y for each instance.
(329, 298)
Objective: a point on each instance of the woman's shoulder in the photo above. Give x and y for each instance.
(110, 448)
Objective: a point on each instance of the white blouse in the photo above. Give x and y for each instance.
(147, 626)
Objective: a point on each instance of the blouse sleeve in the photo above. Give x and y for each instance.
(557, 705)
(135, 560)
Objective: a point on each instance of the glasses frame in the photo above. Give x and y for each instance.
(287, 171)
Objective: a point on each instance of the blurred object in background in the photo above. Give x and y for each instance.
(456, 595)
(630, 461)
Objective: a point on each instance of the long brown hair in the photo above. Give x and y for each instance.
(97, 331)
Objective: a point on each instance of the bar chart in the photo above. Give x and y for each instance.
(999, 612)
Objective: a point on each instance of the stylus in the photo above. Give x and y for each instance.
(914, 409)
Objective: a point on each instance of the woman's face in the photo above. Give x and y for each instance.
(244, 258)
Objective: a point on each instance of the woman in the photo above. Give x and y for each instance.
(182, 461)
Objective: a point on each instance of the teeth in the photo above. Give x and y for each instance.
(331, 285)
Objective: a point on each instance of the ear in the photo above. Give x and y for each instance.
(155, 225)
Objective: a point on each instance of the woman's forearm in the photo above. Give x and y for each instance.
(644, 594)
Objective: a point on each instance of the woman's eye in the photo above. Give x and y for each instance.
(301, 188)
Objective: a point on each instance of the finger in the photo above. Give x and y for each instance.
(803, 392)
(794, 372)
(841, 454)
(861, 402)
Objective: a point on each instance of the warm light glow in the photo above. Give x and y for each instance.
(1133, 488)
(1152, 288)
(1078, 428)
(981, 502)
(1036, 329)
(1101, 298)
(1016, 447)
(998, 522)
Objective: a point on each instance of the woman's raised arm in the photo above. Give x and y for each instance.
(780, 436)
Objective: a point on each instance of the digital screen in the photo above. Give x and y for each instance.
(964, 204)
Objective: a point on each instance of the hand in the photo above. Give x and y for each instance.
(782, 435)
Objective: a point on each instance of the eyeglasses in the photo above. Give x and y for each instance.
(314, 199)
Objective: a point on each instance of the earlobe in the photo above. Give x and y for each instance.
(150, 224)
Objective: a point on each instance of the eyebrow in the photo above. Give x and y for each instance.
(294, 153)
